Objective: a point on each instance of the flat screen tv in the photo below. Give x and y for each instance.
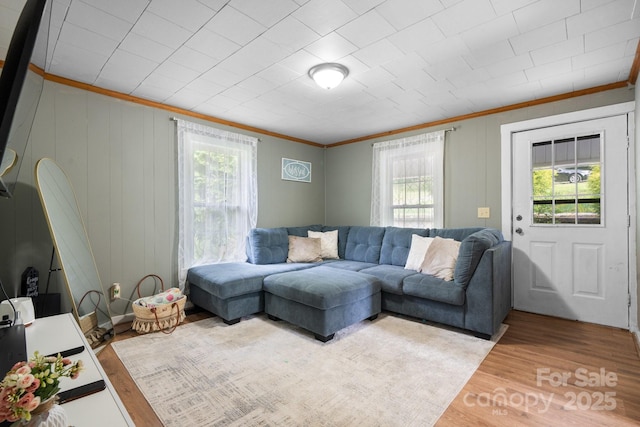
(21, 83)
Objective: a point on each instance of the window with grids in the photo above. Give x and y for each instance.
(407, 189)
(566, 181)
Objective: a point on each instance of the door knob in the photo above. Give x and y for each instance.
(519, 218)
(519, 231)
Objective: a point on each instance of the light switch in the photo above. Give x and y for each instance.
(484, 212)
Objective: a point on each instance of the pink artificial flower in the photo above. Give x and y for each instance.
(18, 365)
(66, 361)
(25, 400)
(33, 404)
(25, 369)
(34, 385)
(25, 381)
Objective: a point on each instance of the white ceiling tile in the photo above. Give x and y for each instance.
(561, 83)
(324, 16)
(595, 57)
(127, 67)
(279, 75)
(76, 63)
(537, 14)
(153, 93)
(213, 45)
(145, 47)
(632, 47)
(450, 67)
(189, 14)
(362, 6)
(417, 80)
(378, 53)
(444, 50)
(331, 47)
(385, 90)
(205, 87)
(300, 62)
(214, 5)
(374, 77)
(402, 13)
(117, 84)
(607, 72)
(128, 10)
(157, 28)
(509, 66)
(489, 54)
(548, 70)
(254, 57)
(266, 12)
(187, 98)
(235, 26)
(463, 16)
(540, 37)
(598, 18)
(417, 36)
(87, 40)
(257, 84)
(93, 19)
(239, 93)
(558, 51)
(366, 29)
(193, 59)
(469, 78)
(491, 32)
(291, 34)
(611, 35)
(407, 65)
(507, 80)
(507, 6)
(178, 72)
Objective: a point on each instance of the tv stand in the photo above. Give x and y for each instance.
(50, 335)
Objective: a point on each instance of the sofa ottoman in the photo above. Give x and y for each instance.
(322, 300)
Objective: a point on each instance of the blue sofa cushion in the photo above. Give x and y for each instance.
(349, 265)
(471, 250)
(433, 288)
(458, 234)
(391, 277)
(364, 244)
(302, 231)
(343, 232)
(322, 287)
(226, 280)
(267, 245)
(396, 244)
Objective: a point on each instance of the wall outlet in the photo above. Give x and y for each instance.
(484, 212)
(115, 291)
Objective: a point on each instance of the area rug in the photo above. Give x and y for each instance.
(393, 371)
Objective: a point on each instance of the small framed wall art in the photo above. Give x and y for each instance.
(296, 170)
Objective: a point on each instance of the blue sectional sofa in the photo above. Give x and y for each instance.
(369, 276)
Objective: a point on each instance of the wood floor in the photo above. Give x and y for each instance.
(543, 372)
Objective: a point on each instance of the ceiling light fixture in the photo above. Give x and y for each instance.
(328, 75)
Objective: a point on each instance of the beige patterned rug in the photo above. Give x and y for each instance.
(389, 372)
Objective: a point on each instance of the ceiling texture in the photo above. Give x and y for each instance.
(410, 62)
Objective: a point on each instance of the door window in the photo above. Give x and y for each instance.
(566, 181)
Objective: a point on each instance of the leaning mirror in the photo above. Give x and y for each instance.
(71, 244)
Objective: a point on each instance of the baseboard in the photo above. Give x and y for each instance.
(129, 317)
(636, 339)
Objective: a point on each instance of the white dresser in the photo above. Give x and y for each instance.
(54, 334)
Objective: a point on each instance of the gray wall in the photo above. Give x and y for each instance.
(472, 165)
(120, 158)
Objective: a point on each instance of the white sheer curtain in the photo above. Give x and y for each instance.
(217, 195)
(408, 182)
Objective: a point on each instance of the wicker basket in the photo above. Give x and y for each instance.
(157, 317)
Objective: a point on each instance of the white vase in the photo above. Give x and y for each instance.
(48, 414)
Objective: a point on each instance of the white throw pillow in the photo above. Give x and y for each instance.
(418, 250)
(328, 243)
(440, 259)
(304, 249)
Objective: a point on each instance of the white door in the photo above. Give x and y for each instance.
(570, 221)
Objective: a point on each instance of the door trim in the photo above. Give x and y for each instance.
(506, 169)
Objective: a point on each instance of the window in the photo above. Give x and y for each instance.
(408, 182)
(566, 180)
(217, 192)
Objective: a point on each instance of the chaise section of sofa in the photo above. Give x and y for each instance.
(477, 299)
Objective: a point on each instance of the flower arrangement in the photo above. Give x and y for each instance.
(30, 383)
